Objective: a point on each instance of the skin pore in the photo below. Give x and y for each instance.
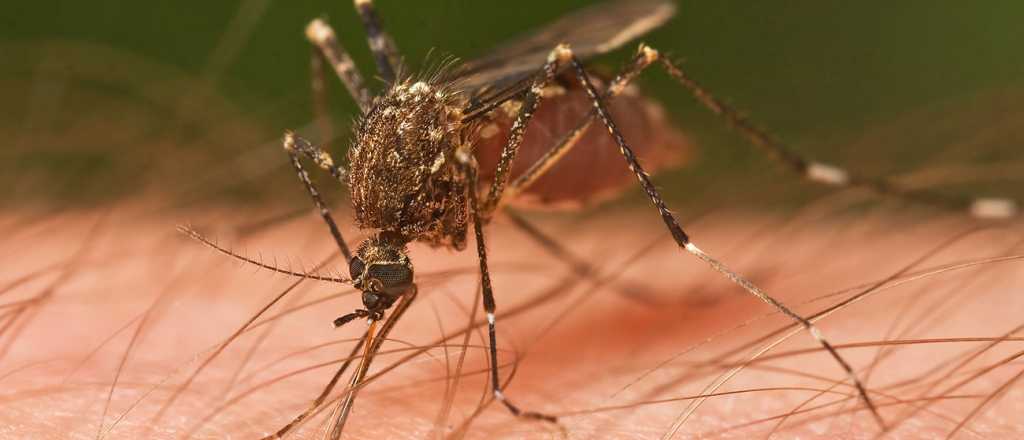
(106, 314)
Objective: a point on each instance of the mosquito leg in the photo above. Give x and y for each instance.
(323, 394)
(579, 266)
(321, 116)
(991, 208)
(322, 36)
(295, 145)
(645, 57)
(322, 119)
(515, 138)
(683, 240)
(318, 86)
(321, 158)
(470, 168)
(385, 52)
(377, 340)
(356, 383)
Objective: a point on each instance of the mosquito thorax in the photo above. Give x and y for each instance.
(402, 172)
(381, 269)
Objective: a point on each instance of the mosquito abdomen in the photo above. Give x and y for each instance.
(593, 170)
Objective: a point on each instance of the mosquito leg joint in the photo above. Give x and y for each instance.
(649, 53)
(993, 208)
(318, 32)
(827, 174)
(562, 53)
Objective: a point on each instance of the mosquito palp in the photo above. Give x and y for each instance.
(435, 155)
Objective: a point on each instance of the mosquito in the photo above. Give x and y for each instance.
(433, 155)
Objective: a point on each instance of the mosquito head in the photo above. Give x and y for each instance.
(382, 270)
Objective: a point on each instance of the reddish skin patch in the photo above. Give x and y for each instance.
(602, 345)
(594, 169)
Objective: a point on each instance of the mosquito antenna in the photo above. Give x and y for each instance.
(258, 262)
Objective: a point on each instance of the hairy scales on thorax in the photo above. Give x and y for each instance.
(403, 176)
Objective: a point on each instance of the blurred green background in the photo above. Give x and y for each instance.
(186, 100)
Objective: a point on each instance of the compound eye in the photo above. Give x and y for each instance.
(356, 267)
(394, 278)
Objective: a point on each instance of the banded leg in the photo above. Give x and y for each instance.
(579, 266)
(645, 57)
(683, 240)
(372, 349)
(987, 208)
(320, 157)
(280, 433)
(320, 114)
(385, 52)
(318, 87)
(322, 36)
(345, 406)
(470, 168)
(294, 146)
(515, 138)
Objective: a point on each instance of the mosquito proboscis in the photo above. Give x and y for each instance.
(434, 156)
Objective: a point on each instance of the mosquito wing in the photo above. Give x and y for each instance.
(590, 31)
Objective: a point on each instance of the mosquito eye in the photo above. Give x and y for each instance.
(394, 278)
(355, 268)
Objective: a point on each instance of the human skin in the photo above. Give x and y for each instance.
(122, 310)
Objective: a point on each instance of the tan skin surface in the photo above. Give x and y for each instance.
(139, 298)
